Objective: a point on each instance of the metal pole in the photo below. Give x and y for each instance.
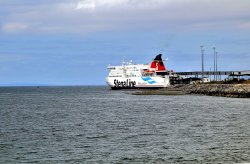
(202, 64)
(216, 66)
(210, 75)
(214, 63)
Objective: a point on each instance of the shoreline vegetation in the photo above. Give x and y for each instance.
(222, 89)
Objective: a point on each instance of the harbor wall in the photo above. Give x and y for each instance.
(225, 90)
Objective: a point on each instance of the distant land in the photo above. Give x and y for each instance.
(46, 85)
(22, 84)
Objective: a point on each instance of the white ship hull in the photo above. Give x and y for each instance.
(138, 82)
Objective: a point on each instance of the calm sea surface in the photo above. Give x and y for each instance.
(97, 125)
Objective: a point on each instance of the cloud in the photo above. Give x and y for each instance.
(84, 5)
(14, 26)
(83, 16)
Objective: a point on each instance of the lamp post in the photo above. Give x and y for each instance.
(216, 56)
(214, 64)
(202, 63)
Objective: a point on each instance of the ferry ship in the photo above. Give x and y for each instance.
(139, 76)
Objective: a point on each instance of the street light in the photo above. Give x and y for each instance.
(216, 55)
(214, 64)
(202, 63)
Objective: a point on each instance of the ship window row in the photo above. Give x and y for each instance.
(115, 76)
(132, 69)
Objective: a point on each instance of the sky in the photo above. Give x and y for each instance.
(71, 42)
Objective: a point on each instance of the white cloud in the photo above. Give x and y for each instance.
(101, 15)
(84, 5)
(14, 26)
(92, 4)
(245, 25)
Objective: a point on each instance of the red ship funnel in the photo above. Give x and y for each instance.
(157, 64)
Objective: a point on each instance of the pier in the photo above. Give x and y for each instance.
(219, 73)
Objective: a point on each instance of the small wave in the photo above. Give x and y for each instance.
(97, 137)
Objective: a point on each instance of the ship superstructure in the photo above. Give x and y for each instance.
(132, 76)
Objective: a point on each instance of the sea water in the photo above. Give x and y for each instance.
(98, 125)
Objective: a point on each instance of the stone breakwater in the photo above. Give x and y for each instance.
(225, 90)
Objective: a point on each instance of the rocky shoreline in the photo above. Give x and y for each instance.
(223, 90)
